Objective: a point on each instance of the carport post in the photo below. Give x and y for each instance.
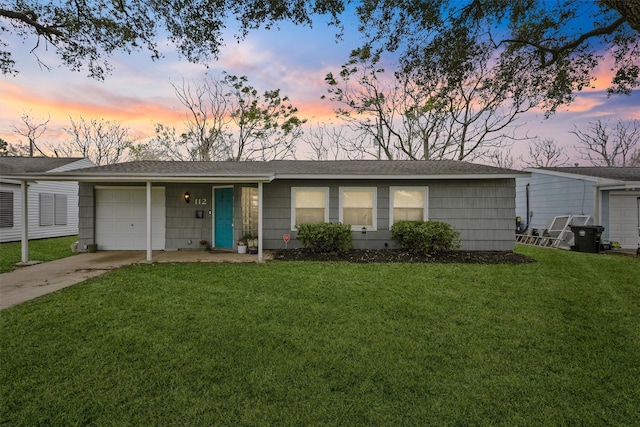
(149, 251)
(24, 244)
(260, 221)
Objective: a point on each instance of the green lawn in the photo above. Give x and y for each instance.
(40, 250)
(555, 342)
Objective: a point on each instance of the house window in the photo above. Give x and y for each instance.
(249, 211)
(358, 207)
(53, 209)
(408, 204)
(309, 205)
(6, 209)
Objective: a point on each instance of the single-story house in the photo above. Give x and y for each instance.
(157, 205)
(53, 204)
(609, 195)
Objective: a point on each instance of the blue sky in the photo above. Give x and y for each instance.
(138, 93)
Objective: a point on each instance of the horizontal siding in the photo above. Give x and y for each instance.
(86, 222)
(482, 211)
(183, 229)
(551, 196)
(70, 189)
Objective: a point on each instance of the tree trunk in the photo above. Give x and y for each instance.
(629, 9)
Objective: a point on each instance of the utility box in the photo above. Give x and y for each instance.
(587, 238)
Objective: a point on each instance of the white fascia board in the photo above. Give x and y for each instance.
(9, 181)
(629, 186)
(398, 177)
(597, 180)
(145, 178)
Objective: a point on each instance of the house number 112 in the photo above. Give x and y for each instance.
(200, 202)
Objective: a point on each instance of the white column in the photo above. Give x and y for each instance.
(149, 227)
(260, 221)
(25, 221)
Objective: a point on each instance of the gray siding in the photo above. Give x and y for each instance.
(86, 225)
(184, 230)
(551, 196)
(483, 211)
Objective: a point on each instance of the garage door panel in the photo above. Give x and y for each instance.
(121, 218)
(623, 220)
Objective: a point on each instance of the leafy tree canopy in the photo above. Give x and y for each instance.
(559, 41)
(85, 33)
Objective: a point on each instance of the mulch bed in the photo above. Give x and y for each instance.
(363, 256)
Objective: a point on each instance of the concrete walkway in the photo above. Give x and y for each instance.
(32, 281)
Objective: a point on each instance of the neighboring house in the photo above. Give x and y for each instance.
(608, 194)
(223, 201)
(53, 205)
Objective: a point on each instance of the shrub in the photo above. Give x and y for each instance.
(325, 237)
(425, 238)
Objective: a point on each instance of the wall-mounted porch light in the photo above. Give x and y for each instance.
(187, 197)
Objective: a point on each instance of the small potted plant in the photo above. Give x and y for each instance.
(252, 242)
(242, 247)
(204, 245)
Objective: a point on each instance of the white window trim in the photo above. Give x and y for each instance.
(393, 189)
(374, 190)
(293, 203)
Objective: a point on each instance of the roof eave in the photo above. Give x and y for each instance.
(598, 180)
(397, 177)
(147, 178)
(626, 185)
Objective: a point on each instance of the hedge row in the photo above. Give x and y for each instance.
(419, 237)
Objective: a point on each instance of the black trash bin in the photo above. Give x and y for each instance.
(587, 238)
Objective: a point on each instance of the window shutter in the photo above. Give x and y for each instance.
(61, 209)
(47, 209)
(6, 209)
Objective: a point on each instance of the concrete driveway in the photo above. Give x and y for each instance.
(30, 282)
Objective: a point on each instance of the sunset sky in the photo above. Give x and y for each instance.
(138, 93)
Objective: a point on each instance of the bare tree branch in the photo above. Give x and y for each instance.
(544, 153)
(32, 132)
(103, 142)
(601, 145)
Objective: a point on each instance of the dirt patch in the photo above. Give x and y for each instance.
(364, 256)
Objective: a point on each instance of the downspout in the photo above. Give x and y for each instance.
(526, 227)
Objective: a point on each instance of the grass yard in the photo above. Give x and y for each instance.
(40, 250)
(555, 342)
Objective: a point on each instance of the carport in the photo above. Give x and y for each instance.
(148, 183)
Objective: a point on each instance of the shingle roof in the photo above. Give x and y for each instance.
(16, 165)
(295, 168)
(385, 167)
(617, 173)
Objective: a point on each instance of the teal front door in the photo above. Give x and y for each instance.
(223, 227)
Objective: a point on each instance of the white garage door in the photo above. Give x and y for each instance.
(121, 218)
(623, 220)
